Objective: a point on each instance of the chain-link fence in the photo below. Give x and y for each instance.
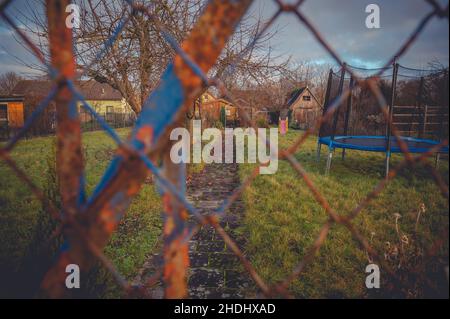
(87, 224)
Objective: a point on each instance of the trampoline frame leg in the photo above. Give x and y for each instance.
(343, 154)
(319, 148)
(388, 158)
(329, 159)
(437, 159)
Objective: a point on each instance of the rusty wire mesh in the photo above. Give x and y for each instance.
(88, 233)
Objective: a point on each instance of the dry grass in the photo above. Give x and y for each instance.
(283, 219)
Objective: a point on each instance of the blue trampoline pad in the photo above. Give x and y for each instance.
(379, 143)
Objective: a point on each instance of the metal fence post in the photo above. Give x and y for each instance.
(324, 110)
(329, 159)
(348, 112)
(335, 120)
(419, 107)
(444, 103)
(391, 111)
(336, 112)
(69, 158)
(176, 249)
(425, 119)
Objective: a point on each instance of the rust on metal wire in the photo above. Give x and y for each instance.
(176, 250)
(88, 233)
(102, 216)
(69, 159)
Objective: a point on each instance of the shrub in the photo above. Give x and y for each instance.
(262, 122)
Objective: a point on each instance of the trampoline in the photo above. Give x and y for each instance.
(380, 143)
(417, 107)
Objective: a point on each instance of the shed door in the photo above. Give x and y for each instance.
(3, 114)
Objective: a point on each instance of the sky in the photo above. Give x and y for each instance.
(341, 22)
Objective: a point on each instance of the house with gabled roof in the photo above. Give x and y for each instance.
(101, 96)
(304, 107)
(104, 99)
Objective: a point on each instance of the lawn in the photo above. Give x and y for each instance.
(21, 216)
(283, 219)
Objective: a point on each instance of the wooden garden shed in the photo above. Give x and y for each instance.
(211, 107)
(11, 111)
(304, 108)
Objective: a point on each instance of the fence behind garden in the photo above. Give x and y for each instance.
(46, 125)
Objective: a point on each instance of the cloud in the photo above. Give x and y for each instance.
(341, 22)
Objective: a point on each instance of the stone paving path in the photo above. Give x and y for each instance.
(215, 271)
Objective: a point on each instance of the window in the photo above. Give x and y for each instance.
(306, 98)
(110, 109)
(3, 113)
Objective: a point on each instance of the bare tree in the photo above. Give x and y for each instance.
(134, 63)
(8, 81)
(319, 81)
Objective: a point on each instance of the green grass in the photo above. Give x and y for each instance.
(135, 238)
(283, 219)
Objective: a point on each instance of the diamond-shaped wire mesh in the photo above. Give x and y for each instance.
(88, 224)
